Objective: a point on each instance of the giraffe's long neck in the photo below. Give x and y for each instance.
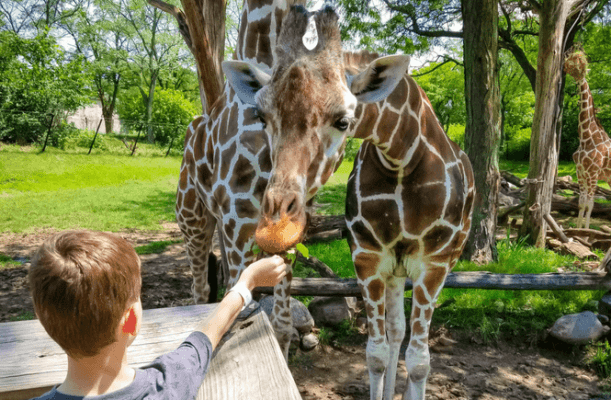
(586, 113)
(259, 28)
(401, 126)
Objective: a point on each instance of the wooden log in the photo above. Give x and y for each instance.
(590, 234)
(323, 269)
(556, 228)
(565, 206)
(602, 244)
(504, 213)
(325, 223)
(327, 236)
(511, 178)
(605, 228)
(463, 280)
(574, 186)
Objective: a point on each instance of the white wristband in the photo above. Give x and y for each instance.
(241, 288)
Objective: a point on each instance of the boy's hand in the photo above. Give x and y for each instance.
(265, 272)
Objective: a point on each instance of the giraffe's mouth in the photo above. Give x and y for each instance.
(279, 236)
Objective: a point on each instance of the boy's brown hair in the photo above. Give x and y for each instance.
(82, 283)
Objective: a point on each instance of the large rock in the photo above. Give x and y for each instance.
(578, 328)
(302, 320)
(332, 310)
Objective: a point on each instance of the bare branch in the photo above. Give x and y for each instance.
(183, 26)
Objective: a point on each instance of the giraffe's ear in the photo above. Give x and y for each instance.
(379, 79)
(245, 79)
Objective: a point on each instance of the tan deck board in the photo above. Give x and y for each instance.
(247, 364)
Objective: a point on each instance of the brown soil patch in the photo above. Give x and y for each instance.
(467, 370)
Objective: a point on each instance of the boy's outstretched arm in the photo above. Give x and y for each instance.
(265, 272)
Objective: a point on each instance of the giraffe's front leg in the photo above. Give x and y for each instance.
(197, 226)
(395, 330)
(417, 357)
(281, 318)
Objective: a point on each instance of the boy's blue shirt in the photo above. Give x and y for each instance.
(176, 375)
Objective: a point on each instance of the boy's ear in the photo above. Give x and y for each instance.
(129, 322)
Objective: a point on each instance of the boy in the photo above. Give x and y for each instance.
(86, 292)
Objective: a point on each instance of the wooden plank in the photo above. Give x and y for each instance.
(463, 280)
(247, 367)
(31, 360)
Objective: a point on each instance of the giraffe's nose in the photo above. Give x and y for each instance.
(277, 205)
(282, 222)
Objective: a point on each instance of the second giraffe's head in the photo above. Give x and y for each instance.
(306, 104)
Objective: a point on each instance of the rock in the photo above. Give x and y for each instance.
(578, 328)
(308, 342)
(302, 320)
(603, 319)
(332, 310)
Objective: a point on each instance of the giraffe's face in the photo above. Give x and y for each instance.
(306, 106)
(576, 65)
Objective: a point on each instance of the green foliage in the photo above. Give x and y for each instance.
(456, 133)
(444, 85)
(345, 333)
(172, 113)
(352, 147)
(37, 78)
(517, 144)
(24, 316)
(599, 359)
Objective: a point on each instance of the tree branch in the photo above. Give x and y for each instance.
(183, 25)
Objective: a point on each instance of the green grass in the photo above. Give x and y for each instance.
(7, 262)
(24, 316)
(64, 190)
(155, 247)
(489, 313)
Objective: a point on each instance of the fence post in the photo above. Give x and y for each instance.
(172, 141)
(137, 137)
(48, 132)
(96, 135)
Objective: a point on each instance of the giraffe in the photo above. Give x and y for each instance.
(408, 209)
(593, 156)
(271, 141)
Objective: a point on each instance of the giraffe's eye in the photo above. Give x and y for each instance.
(342, 124)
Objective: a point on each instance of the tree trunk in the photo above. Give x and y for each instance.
(544, 139)
(149, 107)
(202, 25)
(482, 131)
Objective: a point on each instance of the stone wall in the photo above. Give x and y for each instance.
(89, 118)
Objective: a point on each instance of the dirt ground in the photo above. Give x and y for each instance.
(468, 369)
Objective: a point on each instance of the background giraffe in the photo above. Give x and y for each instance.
(281, 95)
(408, 209)
(593, 156)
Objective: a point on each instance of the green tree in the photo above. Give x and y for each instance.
(154, 46)
(37, 78)
(444, 84)
(172, 113)
(97, 36)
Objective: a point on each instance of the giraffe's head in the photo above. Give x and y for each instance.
(306, 105)
(576, 64)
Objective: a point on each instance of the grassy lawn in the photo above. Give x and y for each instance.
(71, 190)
